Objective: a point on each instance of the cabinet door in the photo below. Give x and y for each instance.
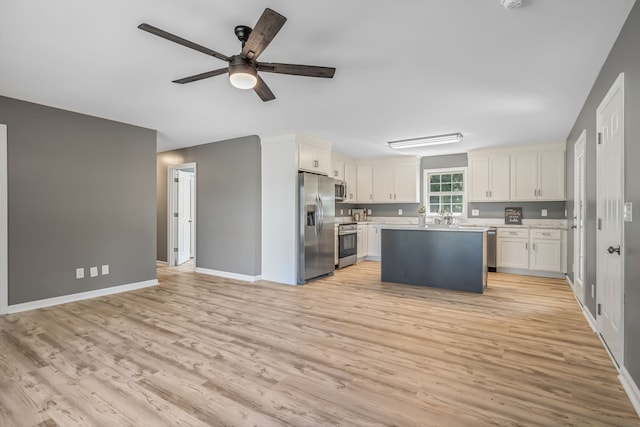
(313, 158)
(364, 184)
(551, 175)
(351, 178)
(383, 188)
(373, 241)
(306, 157)
(337, 169)
(499, 178)
(478, 179)
(406, 180)
(513, 253)
(524, 176)
(546, 255)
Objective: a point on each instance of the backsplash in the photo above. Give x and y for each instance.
(530, 210)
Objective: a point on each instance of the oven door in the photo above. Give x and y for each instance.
(347, 249)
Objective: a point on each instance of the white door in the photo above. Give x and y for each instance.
(579, 185)
(609, 276)
(184, 216)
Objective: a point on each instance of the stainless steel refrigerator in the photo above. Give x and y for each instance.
(316, 219)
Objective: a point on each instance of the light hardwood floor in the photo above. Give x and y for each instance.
(346, 350)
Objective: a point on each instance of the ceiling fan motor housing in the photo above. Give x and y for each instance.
(242, 72)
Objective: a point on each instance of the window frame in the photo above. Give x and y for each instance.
(440, 171)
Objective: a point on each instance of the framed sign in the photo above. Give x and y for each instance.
(513, 216)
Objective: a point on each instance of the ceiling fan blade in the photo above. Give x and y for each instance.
(265, 30)
(263, 91)
(202, 76)
(172, 37)
(297, 70)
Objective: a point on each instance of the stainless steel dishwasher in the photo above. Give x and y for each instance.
(491, 248)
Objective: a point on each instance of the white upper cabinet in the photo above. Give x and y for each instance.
(337, 169)
(395, 181)
(314, 155)
(351, 178)
(489, 177)
(538, 175)
(364, 184)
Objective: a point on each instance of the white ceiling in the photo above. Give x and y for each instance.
(405, 68)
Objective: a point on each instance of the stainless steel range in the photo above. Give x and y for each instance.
(347, 244)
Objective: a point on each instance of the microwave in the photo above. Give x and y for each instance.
(341, 191)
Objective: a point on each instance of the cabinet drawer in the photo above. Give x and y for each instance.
(546, 234)
(513, 232)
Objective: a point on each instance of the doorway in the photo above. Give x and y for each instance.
(4, 230)
(579, 210)
(609, 234)
(181, 220)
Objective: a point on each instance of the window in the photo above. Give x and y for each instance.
(445, 189)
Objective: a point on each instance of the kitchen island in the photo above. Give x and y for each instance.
(448, 258)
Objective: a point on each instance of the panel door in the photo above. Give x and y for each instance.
(546, 255)
(351, 178)
(524, 176)
(478, 179)
(499, 178)
(551, 175)
(609, 208)
(406, 180)
(364, 183)
(383, 186)
(373, 241)
(513, 253)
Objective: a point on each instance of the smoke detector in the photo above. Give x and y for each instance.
(511, 4)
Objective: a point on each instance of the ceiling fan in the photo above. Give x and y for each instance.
(243, 68)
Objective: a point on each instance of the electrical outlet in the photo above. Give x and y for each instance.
(349, 212)
(368, 211)
(544, 212)
(79, 273)
(341, 212)
(93, 271)
(475, 212)
(105, 269)
(400, 212)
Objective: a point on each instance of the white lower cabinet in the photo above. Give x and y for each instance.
(513, 248)
(535, 249)
(362, 241)
(373, 242)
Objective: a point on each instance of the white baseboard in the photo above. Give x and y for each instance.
(228, 275)
(537, 273)
(631, 388)
(587, 315)
(162, 263)
(569, 281)
(32, 305)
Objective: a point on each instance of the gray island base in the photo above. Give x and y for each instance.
(442, 258)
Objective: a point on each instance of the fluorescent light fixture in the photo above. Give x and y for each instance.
(425, 141)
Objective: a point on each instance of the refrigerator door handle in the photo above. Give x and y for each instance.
(321, 214)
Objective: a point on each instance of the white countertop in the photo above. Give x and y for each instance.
(554, 224)
(460, 228)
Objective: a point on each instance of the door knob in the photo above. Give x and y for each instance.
(612, 249)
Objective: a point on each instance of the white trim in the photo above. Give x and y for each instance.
(32, 305)
(590, 319)
(4, 227)
(171, 200)
(631, 388)
(425, 189)
(162, 263)
(526, 272)
(228, 275)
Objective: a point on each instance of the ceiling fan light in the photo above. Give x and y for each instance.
(243, 80)
(242, 74)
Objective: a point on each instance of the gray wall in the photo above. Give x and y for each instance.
(81, 194)
(228, 204)
(622, 58)
(530, 210)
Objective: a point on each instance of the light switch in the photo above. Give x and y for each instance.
(79, 273)
(628, 212)
(341, 212)
(105, 269)
(475, 212)
(544, 212)
(93, 271)
(368, 211)
(400, 212)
